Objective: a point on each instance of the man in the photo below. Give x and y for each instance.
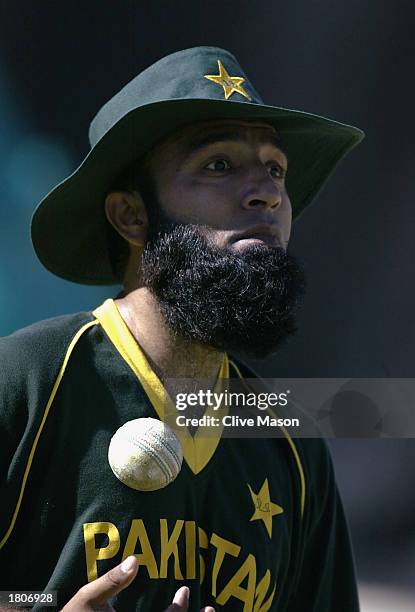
(186, 198)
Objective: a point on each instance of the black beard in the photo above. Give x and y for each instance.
(237, 302)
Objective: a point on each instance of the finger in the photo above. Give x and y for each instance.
(111, 583)
(180, 601)
(207, 609)
(182, 597)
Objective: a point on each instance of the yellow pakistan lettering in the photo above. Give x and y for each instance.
(190, 533)
(146, 557)
(267, 605)
(223, 547)
(94, 554)
(261, 591)
(234, 588)
(203, 543)
(168, 547)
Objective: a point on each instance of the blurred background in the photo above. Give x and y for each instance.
(59, 62)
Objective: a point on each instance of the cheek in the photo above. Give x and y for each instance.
(286, 217)
(199, 204)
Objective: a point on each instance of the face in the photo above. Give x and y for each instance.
(216, 257)
(229, 177)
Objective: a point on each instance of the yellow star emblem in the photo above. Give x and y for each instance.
(265, 509)
(229, 83)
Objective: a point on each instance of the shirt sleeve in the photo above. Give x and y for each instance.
(30, 360)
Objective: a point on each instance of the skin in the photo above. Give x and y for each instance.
(95, 595)
(236, 189)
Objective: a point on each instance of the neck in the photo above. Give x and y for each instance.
(170, 355)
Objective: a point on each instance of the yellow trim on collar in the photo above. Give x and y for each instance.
(198, 449)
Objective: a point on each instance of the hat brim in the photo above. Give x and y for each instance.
(69, 227)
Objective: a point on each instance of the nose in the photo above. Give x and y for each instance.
(263, 191)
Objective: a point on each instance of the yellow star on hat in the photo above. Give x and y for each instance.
(230, 84)
(265, 509)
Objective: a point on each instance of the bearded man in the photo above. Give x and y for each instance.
(186, 199)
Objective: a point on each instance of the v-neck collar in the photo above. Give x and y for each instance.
(199, 449)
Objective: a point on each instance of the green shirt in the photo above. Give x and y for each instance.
(248, 524)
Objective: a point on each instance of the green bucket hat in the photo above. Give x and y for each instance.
(69, 227)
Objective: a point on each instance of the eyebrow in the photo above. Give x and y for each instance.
(199, 142)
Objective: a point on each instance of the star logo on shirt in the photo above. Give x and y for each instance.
(265, 509)
(230, 84)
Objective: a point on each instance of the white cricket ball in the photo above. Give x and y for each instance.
(145, 454)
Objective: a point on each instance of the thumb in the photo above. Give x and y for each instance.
(111, 583)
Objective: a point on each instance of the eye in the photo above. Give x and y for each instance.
(277, 171)
(218, 165)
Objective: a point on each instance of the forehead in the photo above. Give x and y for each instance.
(236, 128)
(194, 137)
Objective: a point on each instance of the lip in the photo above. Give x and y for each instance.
(261, 234)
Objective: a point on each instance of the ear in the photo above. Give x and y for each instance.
(127, 214)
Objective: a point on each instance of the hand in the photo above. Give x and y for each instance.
(95, 595)
(181, 601)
